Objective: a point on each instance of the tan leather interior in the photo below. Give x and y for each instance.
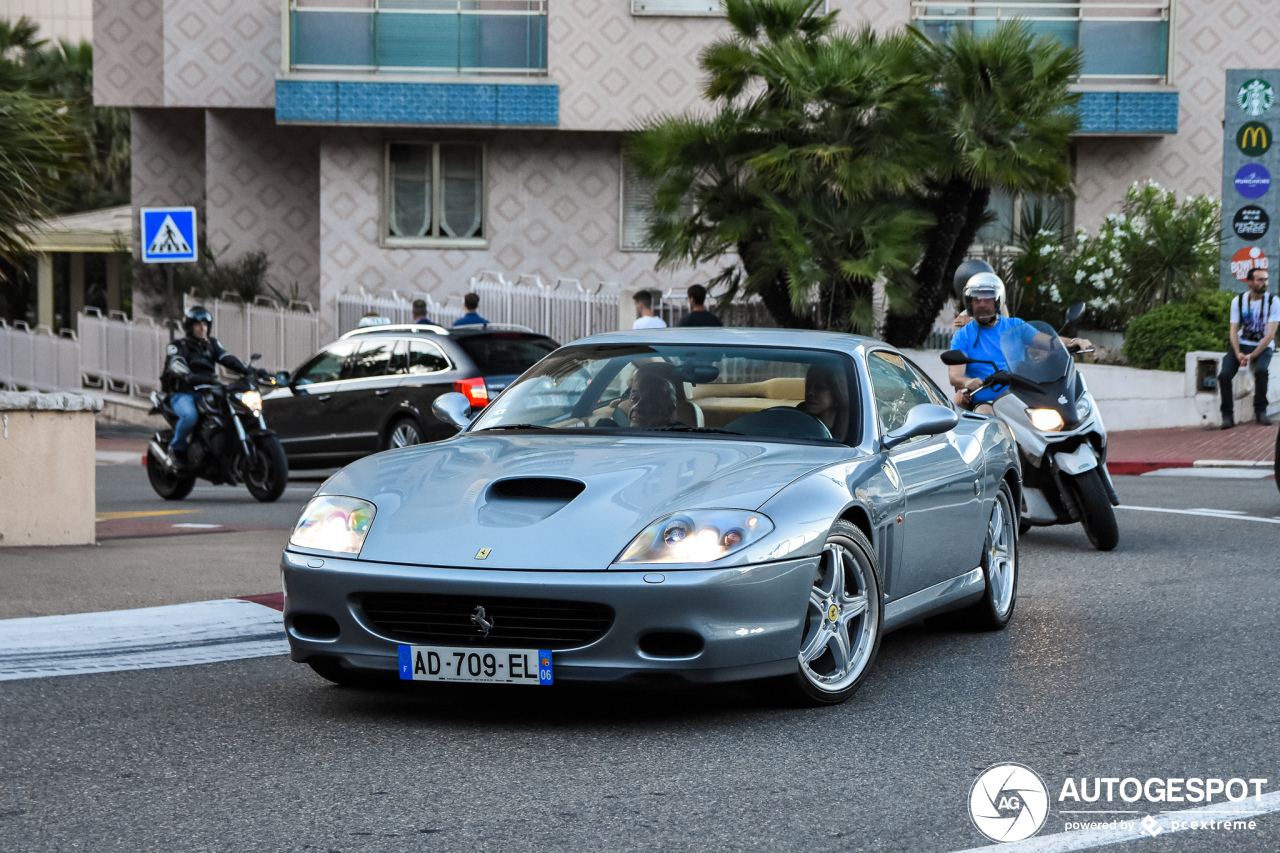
(722, 403)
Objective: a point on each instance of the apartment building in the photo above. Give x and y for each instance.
(409, 144)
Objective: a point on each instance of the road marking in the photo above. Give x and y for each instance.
(115, 516)
(198, 526)
(1219, 514)
(1155, 825)
(1213, 473)
(146, 638)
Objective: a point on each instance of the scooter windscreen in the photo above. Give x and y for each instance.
(1035, 352)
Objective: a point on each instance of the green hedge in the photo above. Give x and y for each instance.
(1162, 337)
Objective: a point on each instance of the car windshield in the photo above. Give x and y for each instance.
(759, 392)
(1034, 351)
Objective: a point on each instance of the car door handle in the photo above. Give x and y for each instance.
(324, 397)
(384, 392)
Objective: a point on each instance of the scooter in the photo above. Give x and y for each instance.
(1061, 439)
(229, 444)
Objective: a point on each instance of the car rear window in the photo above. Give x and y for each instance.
(502, 353)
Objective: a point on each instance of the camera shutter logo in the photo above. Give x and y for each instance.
(1255, 97)
(1253, 139)
(1009, 802)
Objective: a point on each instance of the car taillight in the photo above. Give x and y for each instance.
(474, 390)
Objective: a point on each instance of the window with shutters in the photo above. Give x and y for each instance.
(637, 210)
(434, 195)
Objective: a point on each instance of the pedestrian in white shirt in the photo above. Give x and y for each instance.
(644, 307)
(1254, 317)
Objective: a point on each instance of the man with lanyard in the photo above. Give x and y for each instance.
(192, 361)
(984, 299)
(1254, 317)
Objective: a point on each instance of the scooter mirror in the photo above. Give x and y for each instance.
(1074, 312)
(954, 357)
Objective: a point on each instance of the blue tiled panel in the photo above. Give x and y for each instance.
(422, 104)
(1098, 112)
(1147, 112)
(306, 100)
(536, 105)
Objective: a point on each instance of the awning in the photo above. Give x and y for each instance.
(106, 230)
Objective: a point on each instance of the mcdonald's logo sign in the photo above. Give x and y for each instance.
(1253, 139)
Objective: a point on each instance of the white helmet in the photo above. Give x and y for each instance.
(984, 285)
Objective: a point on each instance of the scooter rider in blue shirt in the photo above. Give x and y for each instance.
(984, 297)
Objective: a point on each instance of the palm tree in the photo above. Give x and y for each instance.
(36, 143)
(804, 173)
(1005, 116)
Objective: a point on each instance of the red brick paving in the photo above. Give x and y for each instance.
(1133, 451)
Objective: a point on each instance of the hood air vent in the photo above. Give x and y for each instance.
(522, 501)
(536, 488)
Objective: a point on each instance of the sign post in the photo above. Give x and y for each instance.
(1250, 164)
(169, 237)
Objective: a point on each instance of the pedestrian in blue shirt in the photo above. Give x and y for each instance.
(471, 302)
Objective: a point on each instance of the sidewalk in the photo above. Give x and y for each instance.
(1140, 451)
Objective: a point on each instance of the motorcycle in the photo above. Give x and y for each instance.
(229, 444)
(1061, 439)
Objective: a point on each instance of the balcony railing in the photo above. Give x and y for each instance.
(1125, 42)
(419, 36)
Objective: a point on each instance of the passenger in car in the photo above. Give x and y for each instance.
(824, 397)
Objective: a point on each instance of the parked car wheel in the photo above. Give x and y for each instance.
(844, 620)
(403, 433)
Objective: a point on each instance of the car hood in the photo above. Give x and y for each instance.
(437, 504)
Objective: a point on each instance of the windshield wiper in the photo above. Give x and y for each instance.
(514, 426)
(683, 428)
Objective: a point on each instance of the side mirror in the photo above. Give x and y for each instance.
(452, 408)
(255, 357)
(1073, 314)
(955, 356)
(925, 419)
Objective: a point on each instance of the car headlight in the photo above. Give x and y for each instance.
(333, 523)
(1083, 407)
(251, 400)
(1047, 420)
(696, 536)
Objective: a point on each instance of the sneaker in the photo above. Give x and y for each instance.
(1228, 421)
(1262, 419)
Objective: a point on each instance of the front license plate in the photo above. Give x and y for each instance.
(484, 666)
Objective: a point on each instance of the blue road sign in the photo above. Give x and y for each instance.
(168, 235)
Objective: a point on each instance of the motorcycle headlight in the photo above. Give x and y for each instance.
(251, 400)
(1083, 407)
(1046, 420)
(696, 536)
(333, 523)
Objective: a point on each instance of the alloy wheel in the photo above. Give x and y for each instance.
(842, 622)
(404, 435)
(1002, 556)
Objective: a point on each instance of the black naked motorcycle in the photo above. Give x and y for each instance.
(229, 444)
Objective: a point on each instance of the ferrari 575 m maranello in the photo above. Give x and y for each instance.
(700, 505)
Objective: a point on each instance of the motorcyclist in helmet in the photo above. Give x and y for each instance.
(189, 362)
(984, 298)
(964, 272)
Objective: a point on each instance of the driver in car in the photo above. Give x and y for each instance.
(984, 298)
(653, 400)
(823, 396)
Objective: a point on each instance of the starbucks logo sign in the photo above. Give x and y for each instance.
(1255, 96)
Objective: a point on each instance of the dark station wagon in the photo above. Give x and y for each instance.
(372, 388)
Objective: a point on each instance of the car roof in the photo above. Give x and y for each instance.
(682, 335)
(433, 329)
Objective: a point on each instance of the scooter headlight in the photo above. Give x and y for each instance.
(1083, 408)
(1045, 420)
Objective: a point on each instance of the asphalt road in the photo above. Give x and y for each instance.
(1157, 660)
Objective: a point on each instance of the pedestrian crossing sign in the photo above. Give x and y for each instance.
(168, 235)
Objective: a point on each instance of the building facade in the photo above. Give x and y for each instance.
(408, 145)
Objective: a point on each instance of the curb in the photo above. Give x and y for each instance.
(1138, 468)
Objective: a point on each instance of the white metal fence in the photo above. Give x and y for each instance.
(37, 358)
(566, 310)
(121, 355)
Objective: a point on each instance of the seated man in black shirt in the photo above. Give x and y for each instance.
(698, 314)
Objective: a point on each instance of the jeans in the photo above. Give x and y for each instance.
(1230, 367)
(184, 406)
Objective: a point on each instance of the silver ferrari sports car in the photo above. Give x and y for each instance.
(698, 505)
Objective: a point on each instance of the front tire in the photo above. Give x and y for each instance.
(1096, 513)
(999, 568)
(843, 622)
(267, 472)
(168, 484)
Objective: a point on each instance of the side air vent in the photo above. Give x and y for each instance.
(537, 488)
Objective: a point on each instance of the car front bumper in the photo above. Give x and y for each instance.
(749, 618)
